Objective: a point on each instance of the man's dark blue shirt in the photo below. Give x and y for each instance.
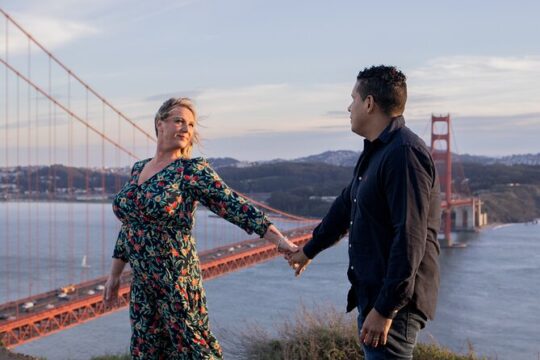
(391, 210)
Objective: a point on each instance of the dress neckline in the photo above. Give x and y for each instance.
(144, 162)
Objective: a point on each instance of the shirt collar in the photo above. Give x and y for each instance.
(395, 124)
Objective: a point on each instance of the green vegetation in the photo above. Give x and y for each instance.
(491, 177)
(510, 193)
(292, 187)
(512, 204)
(113, 357)
(321, 334)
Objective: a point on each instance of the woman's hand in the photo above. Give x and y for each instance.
(110, 294)
(285, 246)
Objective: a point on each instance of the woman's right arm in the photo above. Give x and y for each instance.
(110, 294)
(120, 258)
(283, 244)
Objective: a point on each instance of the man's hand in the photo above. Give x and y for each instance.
(298, 261)
(375, 329)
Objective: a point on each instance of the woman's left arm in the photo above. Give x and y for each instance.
(213, 193)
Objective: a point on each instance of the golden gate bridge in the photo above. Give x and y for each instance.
(51, 116)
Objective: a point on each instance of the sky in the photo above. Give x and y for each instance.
(273, 79)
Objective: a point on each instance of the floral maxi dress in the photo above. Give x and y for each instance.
(168, 313)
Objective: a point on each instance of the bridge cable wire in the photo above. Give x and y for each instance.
(49, 175)
(18, 184)
(29, 178)
(37, 207)
(68, 70)
(6, 178)
(70, 113)
(461, 187)
(59, 135)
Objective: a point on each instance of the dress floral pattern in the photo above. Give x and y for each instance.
(169, 317)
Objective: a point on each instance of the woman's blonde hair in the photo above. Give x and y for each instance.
(164, 111)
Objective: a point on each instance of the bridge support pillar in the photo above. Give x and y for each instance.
(480, 218)
(465, 218)
(440, 151)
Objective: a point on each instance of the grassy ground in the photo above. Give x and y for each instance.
(321, 334)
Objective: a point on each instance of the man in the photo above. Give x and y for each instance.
(391, 210)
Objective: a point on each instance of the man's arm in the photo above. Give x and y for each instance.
(333, 226)
(331, 229)
(408, 177)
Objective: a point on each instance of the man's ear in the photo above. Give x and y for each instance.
(370, 103)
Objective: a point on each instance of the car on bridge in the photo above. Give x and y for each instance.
(28, 306)
(68, 289)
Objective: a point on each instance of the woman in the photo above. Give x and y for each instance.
(157, 205)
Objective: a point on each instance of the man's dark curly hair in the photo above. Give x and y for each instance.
(387, 85)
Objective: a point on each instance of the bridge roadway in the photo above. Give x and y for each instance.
(51, 312)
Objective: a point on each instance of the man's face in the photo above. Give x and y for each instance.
(358, 111)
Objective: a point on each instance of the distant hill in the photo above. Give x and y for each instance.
(339, 158)
(222, 162)
(520, 159)
(349, 157)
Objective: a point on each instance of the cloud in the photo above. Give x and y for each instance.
(337, 114)
(53, 32)
(475, 86)
(164, 96)
(507, 124)
(153, 9)
(279, 144)
(279, 107)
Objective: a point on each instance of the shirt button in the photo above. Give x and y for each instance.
(350, 245)
(354, 200)
(351, 222)
(352, 267)
(360, 178)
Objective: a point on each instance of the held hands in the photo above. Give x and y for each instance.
(283, 244)
(298, 261)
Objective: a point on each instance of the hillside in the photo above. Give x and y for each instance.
(511, 193)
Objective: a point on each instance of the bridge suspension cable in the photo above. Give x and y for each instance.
(66, 148)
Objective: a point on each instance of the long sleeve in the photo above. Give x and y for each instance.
(120, 249)
(408, 176)
(333, 226)
(212, 192)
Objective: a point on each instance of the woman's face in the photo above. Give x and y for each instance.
(176, 131)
